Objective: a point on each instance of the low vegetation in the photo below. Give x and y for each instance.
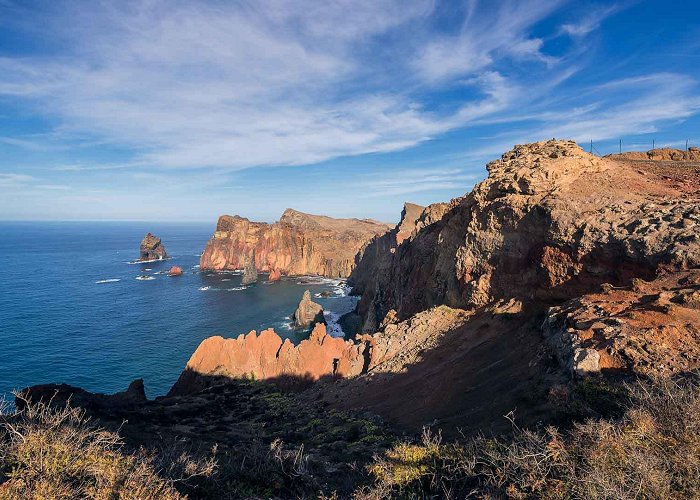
(58, 453)
(651, 451)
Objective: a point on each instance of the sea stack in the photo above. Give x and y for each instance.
(250, 274)
(275, 275)
(152, 248)
(308, 312)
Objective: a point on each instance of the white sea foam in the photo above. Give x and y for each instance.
(236, 288)
(110, 280)
(226, 279)
(204, 288)
(132, 262)
(333, 328)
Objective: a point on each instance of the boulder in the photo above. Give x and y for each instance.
(308, 312)
(152, 248)
(175, 271)
(275, 275)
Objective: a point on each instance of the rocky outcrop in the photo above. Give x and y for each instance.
(61, 394)
(377, 258)
(175, 271)
(660, 154)
(455, 296)
(267, 356)
(250, 274)
(298, 244)
(650, 328)
(549, 223)
(308, 312)
(152, 249)
(275, 275)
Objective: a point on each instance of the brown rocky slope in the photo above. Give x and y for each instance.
(559, 264)
(297, 244)
(550, 222)
(477, 295)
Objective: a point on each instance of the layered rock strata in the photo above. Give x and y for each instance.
(297, 244)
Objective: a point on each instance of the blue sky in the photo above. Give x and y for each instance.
(175, 111)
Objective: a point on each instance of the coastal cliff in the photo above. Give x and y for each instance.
(297, 244)
(532, 297)
(550, 222)
(547, 230)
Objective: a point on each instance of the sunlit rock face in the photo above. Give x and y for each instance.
(297, 244)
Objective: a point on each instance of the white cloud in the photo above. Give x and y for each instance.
(590, 22)
(409, 181)
(265, 83)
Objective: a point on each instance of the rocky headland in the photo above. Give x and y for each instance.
(298, 244)
(152, 249)
(548, 258)
(558, 276)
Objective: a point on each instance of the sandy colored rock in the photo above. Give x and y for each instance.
(152, 248)
(549, 223)
(250, 273)
(650, 327)
(298, 244)
(275, 275)
(308, 312)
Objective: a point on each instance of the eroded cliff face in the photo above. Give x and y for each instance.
(550, 222)
(298, 244)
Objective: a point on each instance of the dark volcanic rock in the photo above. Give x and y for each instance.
(152, 248)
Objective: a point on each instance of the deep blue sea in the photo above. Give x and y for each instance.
(72, 310)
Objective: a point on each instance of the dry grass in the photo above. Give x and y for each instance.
(58, 453)
(652, 451)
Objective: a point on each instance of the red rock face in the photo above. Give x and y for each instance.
(266, 356)
(275, 275)
(296, 245)
(175, 271)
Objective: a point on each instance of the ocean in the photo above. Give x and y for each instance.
(72, 310)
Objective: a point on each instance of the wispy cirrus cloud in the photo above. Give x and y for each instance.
(268, 83)
(409, 181)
